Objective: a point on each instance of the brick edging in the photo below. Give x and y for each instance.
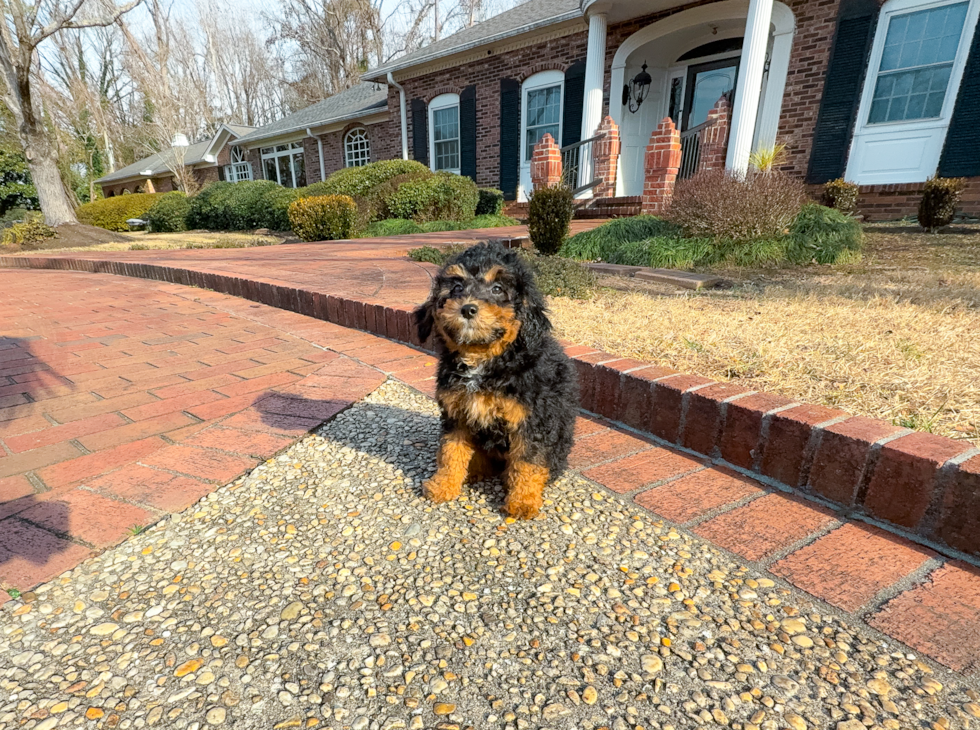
(924, 486)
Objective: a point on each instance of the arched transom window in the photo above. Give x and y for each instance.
(357, 148)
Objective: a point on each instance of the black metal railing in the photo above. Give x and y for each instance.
(577, 163)
(691, 150)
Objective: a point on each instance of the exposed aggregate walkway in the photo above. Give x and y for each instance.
(322, 590)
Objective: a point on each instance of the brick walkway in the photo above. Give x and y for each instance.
(928, 601)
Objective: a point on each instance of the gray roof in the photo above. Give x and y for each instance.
(357, 101)
(157, 163)
(524, 18)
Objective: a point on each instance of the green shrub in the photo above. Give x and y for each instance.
(233, 242)
(824, 235)
(357, 182)
(840, 195)
(603, 241)
(718, 204)
(443, 196)
(491, 202)
(938, 204)
(375, 204)
(433, 255)
(112, 213)
(29, 234)
(440, 226)
(558, 277)
(169, 213)
(315, 190)
(549, 215)
(392, 227)
(139, 247)
(243, 206)
(493, 221)
(323, 218)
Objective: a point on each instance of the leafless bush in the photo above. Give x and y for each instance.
(718, 204)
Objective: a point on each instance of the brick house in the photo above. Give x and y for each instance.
(883, 94)
(211, 159)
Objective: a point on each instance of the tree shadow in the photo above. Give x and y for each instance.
(31, 549)
(25, 378)
(404, 439)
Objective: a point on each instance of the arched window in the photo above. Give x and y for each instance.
(357, 148)
(240, 168)
(444, 133)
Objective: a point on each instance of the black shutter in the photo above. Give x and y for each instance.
(961, 154)
(842, 89)
(420, 131)
(467, 132)
(574, 102)
(221, 173)
(510, 137)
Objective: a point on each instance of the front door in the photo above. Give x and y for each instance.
(706, 82)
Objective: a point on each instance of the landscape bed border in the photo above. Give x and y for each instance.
(919, 485)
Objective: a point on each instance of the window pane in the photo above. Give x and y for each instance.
(535, 135)
(445, 124)
(270, 170)
(285, 175)
(266, 150)
(543, 117)
(299, 169)
(447, 155)
(282, 147)
(357, 149)
(923, 37)
(908, 95)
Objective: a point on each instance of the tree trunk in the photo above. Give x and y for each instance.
(43, 164)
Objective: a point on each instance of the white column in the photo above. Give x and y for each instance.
(749, 85)
(595, 66)
(768, 125)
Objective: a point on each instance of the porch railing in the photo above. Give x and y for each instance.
(577, 166)
(691, 150)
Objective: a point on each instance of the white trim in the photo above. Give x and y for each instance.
(441, 102)
(911, 149)
(540, 80)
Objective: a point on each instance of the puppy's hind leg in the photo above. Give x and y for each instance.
(525, 489)
(456, 451)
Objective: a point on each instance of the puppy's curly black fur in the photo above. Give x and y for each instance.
(505, 386)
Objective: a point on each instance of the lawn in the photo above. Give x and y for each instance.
(894, 336)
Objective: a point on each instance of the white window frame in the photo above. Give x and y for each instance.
(915, 145)
(357, 148)
(444, 101)
(240, 169)
(542, 80)
(292, 149)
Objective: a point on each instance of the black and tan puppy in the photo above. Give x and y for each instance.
(506, 388)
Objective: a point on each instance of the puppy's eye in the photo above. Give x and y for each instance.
(457, 289)
(497, 289)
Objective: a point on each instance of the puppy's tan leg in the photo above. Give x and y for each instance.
(452, 464)
(525, 485)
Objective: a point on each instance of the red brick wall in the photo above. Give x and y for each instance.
(485, 74)
(891, 202)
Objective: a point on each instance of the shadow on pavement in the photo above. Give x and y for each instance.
(25, 378)
(32, 553)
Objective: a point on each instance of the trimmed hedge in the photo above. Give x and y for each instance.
(491, 202)
(112, 213)
(323, 217)
(549, 214)
(442, 196)
(356, 182)
(243, 206)
(169, 213)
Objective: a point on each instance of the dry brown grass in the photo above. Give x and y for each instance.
(168, 241)
(894, 337)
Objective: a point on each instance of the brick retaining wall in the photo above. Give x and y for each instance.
(924, 486)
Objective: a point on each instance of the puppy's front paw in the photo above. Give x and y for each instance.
(523, 507)
(439, 490)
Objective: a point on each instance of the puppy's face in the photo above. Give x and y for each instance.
(474, 308)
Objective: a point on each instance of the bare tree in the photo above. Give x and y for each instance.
(25, 26)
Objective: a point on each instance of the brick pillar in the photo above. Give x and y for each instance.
(661, 163)
(546, 163)
(714, 139)
(605, 159)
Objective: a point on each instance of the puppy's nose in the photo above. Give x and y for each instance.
(468, 311)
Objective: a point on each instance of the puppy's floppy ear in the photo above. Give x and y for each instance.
(425, 319)
(533, 314)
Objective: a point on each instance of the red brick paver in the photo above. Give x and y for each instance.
(647, 467)
(941, 617)
(848, 567)
(695, 495)
(121, 400)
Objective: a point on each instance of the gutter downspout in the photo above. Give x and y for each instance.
(401, 95)
(319, 147)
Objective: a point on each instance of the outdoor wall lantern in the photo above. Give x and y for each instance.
(637, 89)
